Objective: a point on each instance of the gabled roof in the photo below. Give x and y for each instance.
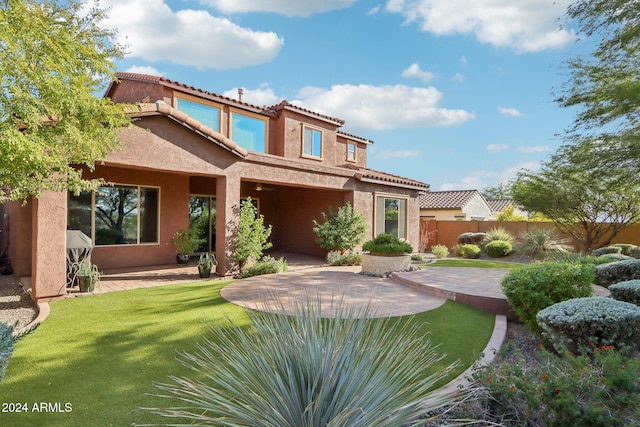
(498, 205)
(456, 199)
(162, 108)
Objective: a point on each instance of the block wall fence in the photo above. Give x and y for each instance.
(446, 233)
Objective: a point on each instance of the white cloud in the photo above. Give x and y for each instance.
(374, 108)
(284, 7)
(154, 32)
(496, 148)
(264, 95)
(534, 149)
(391, 154)
(511, 112)
(458, 77)
(374, 10)
(414, 70)
(525, 25)
(144, 69)
(477, 180)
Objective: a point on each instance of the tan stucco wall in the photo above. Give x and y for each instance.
(442, 215)
(18, 225)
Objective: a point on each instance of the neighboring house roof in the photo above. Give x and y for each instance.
(456, 199)
(498, 205)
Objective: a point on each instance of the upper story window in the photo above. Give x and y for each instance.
(351, 152)
(205, 114)
(249, 132)
(312, 142)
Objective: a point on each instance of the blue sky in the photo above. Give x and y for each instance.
(455, 93)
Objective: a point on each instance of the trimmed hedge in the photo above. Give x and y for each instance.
(498, 248)
(628, 291)
(471, 238)
(619, 271)
(607, 250)
(625, 248)
(532, 288)
(590, 322)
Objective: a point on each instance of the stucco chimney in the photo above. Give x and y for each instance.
(240, 92)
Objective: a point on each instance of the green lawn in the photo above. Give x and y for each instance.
(94, 359)
(475, 263)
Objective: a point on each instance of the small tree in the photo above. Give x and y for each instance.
(342, 231)
(252, 238)
(508, 214)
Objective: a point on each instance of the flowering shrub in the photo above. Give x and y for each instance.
(531, 288)
(599, 389)
(628, 291)
(580, 322)
(615, 272)
(498, 248)
(440, 251)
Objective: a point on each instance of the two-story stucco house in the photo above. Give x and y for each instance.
(192, 156)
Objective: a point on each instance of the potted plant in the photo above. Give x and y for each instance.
(88, 276)
(205, 264)
(186, 243)
(387, 253)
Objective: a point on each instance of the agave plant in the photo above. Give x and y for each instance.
(542, 242)
(307, 371)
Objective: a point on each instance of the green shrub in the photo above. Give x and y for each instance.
(607, 250)
(534, 287)
(628, 291)
(303, 370)
(616, 257)
(469, 251)
(7, 341)
(341, 231)
(542, 243)
(498, 248)
(252, 238)
(335, 258)
(601, 390)
(619, 271)
(597, 321)
(498, 233)
(625, 248)
(387, 244)
(471, 238)
(634, 252)
(267, 265)
(440, 251)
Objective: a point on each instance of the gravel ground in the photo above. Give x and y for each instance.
(16, 306)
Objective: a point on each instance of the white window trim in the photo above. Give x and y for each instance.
(311, 156)
(376, 195)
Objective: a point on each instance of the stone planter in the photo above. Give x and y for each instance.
(380, 264)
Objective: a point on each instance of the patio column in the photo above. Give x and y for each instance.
(49, 246)
(227, 220)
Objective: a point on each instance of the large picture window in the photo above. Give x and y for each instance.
(249, 132)
(391, 216)
(312, 143)
(117, 215)
(205, 114)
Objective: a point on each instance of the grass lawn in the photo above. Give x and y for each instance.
(94, 359)
(474, 263)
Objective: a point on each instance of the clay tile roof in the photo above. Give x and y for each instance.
(160, 107)
(286, 105)
(354, 137)
(455, 199)
(498, 205)
(192, 90)
(374, 176)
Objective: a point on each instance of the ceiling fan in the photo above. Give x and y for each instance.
(260, 187)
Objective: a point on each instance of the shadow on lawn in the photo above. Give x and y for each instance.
(95, 359)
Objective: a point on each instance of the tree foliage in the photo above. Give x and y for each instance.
(341, 231)
(591, 207)
(500, 191)
(252, 238)
(53, 58)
